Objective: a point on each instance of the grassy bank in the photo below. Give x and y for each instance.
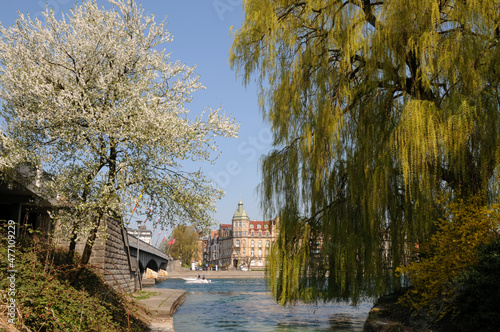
(48, 297)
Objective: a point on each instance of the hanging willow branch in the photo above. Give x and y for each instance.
(376, 108)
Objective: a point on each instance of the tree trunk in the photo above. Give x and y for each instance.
(90, 243)
(87, 251)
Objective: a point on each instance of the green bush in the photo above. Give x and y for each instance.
(48, 298)
(478, 293)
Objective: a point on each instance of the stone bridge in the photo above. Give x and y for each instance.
(149, 256)
(117, 255)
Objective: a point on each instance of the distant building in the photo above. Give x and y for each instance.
(225, 244)
(241, 243)
(23, 200)
(142, 233)
(213, 249)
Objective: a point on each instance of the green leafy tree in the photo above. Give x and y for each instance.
(186, 244)
(376, 107)
(94, 99)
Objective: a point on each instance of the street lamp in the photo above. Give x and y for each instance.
(139, 276)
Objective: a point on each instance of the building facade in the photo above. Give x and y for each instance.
(241, 244)
(142, 233)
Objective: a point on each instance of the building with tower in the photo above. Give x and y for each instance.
(243, 243)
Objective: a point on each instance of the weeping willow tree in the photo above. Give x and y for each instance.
(377, 108)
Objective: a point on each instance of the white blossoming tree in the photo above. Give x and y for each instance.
(94, 100)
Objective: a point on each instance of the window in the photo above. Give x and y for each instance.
(267, 243)
(260, 243)
(252, 252)
(251, 225)
(252, 244)
(237, 252)
(260, 233)
(237, 243)
(266, 226)
(260, 252)
(244, 252)
(243, 224)
(244, 233)
(258, 226)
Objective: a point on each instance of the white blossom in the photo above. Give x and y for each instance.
(95, 98)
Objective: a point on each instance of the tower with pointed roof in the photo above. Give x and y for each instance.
(244, 242)
(240, 213)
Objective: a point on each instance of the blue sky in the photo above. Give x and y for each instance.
(201, 37)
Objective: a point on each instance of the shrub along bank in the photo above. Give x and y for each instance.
(475, 303)
(454, 275)
(52, 294)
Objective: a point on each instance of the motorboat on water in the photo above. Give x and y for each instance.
(196, 281)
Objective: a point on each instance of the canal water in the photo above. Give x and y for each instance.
(244, 305)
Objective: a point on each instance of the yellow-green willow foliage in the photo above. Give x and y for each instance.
(466, 227)
(376, 107)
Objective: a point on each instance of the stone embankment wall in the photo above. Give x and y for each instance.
(110, 255)
(174, 266)
(119, 268)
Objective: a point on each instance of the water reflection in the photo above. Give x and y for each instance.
(344, 322)
(243, 305)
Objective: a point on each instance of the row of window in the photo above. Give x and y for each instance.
(243, 224)
(244, 233)
(252, 252)
(252, 243)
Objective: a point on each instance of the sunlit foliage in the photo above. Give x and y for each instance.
(467, 226)
(376, 108)
(186, 245)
